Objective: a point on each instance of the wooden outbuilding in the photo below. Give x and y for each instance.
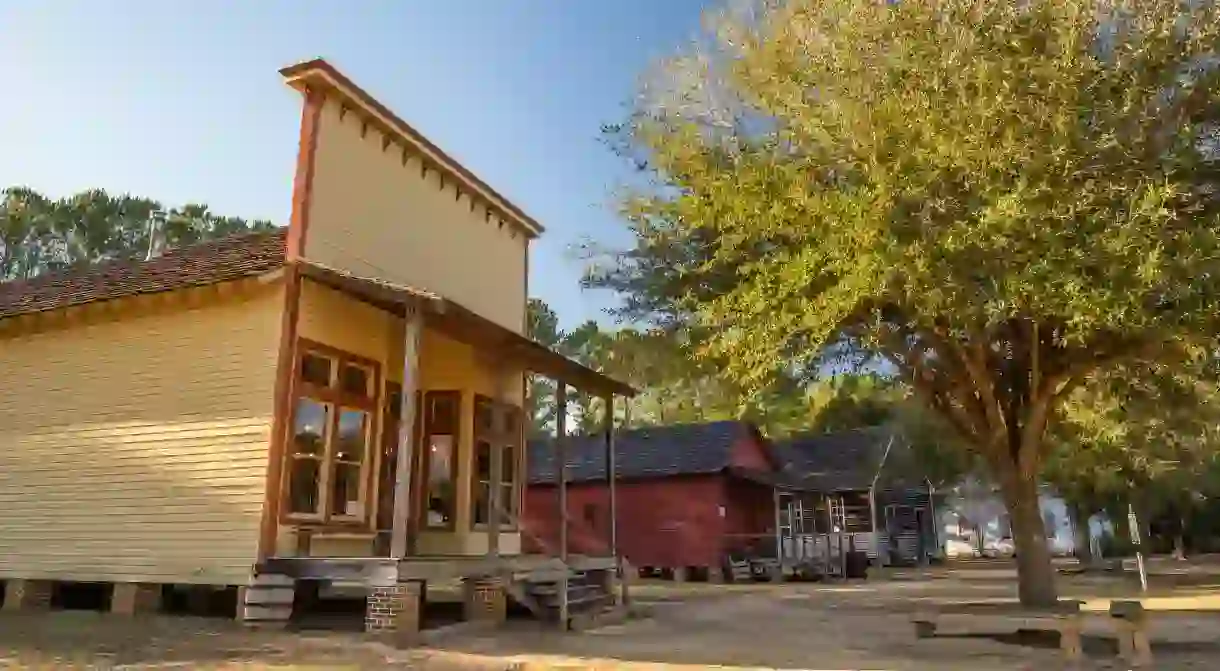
(681, 494)
(699, 499)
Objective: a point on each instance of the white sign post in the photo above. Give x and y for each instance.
(1134, 526)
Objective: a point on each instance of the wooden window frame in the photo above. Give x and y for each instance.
(498, 439)
(338, 400)
(425, 459)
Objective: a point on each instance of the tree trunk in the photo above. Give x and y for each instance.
(1035, 574)
(1179, 539)
(1082, 540)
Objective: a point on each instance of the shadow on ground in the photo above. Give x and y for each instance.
(80, 640)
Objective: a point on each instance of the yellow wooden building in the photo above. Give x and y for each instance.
(240, 412)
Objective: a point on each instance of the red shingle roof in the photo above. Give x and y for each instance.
(222, 260)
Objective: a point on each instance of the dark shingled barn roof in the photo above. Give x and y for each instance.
(649, 452)
(230, 258)
(844, 460)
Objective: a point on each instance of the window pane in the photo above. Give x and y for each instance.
(482, 460)
(480, 502)
(512, 421)
(483, 416)
(352, 440)
(356, 380)
(303, 486)
(394, 403)
(345, 490)
(444, 413)
(440, 459)
(508, 467)
(507, 502)
(309, 427)
(315, 369)
(441, 494)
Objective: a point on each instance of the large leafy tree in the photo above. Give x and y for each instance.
(1148, 435)
(1001, 199)
(40, 234)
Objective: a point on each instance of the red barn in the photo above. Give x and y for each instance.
(686, 494)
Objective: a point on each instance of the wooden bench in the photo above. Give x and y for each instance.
(1065, 618)
(1131, 626)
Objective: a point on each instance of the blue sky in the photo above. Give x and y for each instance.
(181, 100)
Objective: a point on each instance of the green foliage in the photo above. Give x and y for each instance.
(678, 387)
(675, 386)
(542, 325)
(1149, 434)
(910, 170)
(38, 234)
(1004, 200)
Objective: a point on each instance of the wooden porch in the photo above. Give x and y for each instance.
(428, 568)
(402, 535)
(817, 525)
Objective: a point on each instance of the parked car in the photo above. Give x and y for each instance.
(1005, 547)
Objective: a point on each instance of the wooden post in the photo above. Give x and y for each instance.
(626, 573)
(872, 518)
(779, 537)
(406, 433)
(499, 420)
(561, 469)
(830, 532)
(611, 475)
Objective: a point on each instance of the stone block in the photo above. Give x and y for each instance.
(485, 600)
(394, 611)
(135, 598)
(27, 594)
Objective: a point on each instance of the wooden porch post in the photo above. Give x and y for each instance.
(624, 579)
(779, 537)
(499, 419)
(611, 474)
(406, 433)
(561, 461)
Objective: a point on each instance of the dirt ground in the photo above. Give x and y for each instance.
(861, 625)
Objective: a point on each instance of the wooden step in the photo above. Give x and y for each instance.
(590, 599)
(550, 574)
(574, 595)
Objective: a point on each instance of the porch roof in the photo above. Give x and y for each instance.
(464, 325)
(784, 480)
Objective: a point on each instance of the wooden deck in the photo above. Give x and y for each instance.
(382, 570)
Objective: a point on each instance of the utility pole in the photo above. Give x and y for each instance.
(1133, 523)
(155, 218)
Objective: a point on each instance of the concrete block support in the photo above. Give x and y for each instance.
(27, 595)
(135, 598)
(394, 611)
(485, 600)
(267, 601)
(610, 583)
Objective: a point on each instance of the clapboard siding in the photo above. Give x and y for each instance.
(134, 449)
(373, 214)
